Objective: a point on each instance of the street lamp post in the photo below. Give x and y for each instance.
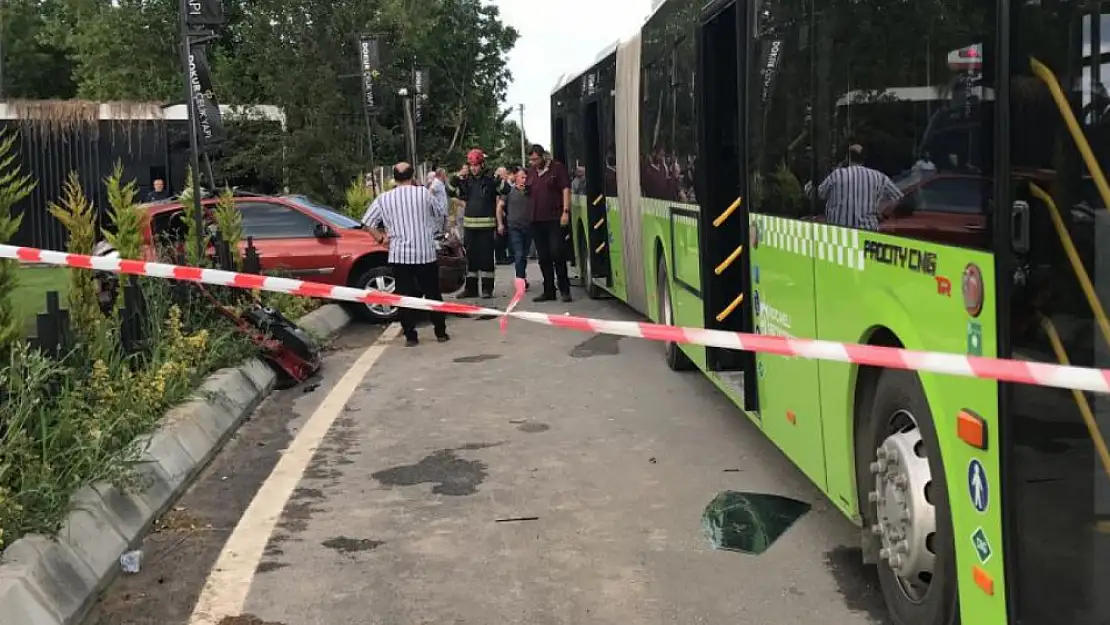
(523, 152)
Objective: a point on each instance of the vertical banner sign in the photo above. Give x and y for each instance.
(370, 62)
(204, 12)
(420, 86)
(205, 107)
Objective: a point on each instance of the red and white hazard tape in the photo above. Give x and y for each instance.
(1040, 374)
(519, 285)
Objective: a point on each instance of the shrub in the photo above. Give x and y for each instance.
(127, 218)
(194, 254)
(229, 223)
(77, 215)
(359, 197)
(73, 422)
(14, 187)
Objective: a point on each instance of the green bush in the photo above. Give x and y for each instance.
(72, 421)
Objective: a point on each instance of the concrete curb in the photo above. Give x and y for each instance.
(47, 581)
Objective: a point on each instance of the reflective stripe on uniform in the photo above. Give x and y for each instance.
(479, 222)
(486, 274)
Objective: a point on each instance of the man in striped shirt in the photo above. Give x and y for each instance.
(853, 193)
(411, 218)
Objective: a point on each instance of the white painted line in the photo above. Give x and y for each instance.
(229, 581)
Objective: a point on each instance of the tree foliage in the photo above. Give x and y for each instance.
(300, 56)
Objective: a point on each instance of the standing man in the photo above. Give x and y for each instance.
(438, 190)
(480, 189)
(514, 217)
(411, 218)
(159, 193)
(548, 188)
(853, 193)
(503, 248)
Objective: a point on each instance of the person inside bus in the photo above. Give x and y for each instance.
(853, 194)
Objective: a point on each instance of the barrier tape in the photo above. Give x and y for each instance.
(518, 294)
(1017, 371)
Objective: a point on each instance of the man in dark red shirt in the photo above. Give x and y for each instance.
(548, 189)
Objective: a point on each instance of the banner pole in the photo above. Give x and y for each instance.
(190, 110)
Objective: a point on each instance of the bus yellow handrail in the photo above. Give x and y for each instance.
(599, 248)
(599, 199)
(728, 212)
(731, 307)
(1080, 398)
(599, 224)
(1043, 72)
(728, 261)
(1073, 258)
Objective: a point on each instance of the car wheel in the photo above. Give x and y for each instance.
(380, 279)
(676, 359)
(907, 507)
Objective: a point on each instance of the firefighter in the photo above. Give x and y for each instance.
(479, 188)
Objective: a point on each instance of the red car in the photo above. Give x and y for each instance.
(944, 207)
(298, 238)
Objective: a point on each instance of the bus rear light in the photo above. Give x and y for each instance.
(972, 429)
(972, 287)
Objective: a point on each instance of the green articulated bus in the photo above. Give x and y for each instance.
(704, 138)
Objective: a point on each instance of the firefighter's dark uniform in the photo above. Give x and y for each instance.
(480, 193)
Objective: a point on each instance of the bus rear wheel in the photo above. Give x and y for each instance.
(907, 506)
(676, 359)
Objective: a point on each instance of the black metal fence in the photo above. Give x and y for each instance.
(49, 154)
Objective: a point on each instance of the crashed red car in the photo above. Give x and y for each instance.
(299, 238)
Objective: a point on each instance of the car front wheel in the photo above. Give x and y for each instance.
(378, 279)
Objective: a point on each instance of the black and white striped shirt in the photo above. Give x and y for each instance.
(411, 217)
(853, 194)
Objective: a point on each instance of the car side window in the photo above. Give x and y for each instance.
(963, 196)
(267, 220)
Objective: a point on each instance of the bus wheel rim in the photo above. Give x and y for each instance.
(905, 519)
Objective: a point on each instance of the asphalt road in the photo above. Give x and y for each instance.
(541, 477)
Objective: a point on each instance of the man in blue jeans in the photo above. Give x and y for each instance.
(514, 216)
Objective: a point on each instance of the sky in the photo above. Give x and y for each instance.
(558, 37)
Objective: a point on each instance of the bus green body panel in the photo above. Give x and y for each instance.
(681, 257)
(811, 280)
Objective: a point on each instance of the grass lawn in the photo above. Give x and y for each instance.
(33, 283)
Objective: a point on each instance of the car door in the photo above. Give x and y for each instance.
(286, 240)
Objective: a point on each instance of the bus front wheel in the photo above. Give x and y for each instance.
(907, 506)
(676, 359)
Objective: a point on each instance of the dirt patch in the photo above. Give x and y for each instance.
(179, 520)
(451, 474)
(268, 567)
(533, 427)
(342, 544)
(246, 619)
(477, 359)
(599, 345)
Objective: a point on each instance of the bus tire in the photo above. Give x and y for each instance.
(676, 359)
(898, 461)
(586, 266)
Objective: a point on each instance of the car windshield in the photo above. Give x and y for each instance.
(328, 214)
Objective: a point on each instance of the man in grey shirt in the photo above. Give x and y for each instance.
(514, 217)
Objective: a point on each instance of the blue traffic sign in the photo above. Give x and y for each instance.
(978, 488)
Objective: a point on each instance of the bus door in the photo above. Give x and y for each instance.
(725, 264)
(597, 230)
(1055, 243)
